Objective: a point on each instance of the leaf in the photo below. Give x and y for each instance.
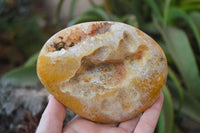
(72, 8)
(94, 14)
(156, 10)
(114, 17)
(166, 10)
(177, 90)
(22, 76)
(175, 13)
(99, 12)
(186, 2)
(58, 10)
(189, 5)
(164, 48)
(127, 7)
(195, 16)
(149, 28)
(130, 19)
(166, 119)
(176, 129)
(191, 107)
(28, 35)
(180, 50)
(82, 19)
(161, 123)
(32, 60)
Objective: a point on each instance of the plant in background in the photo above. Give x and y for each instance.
(20, 35)
(175, 25)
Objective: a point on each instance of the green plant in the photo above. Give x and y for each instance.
(175, 24)
(172, 24)
(21, 34)
(18, 21)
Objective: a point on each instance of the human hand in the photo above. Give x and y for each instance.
(54, 115)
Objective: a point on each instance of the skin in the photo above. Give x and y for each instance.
(52, 121)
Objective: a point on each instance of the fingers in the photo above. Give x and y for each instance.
(79, 124)
(149, 119)
(146, 123)
(79, 118)
(52, 118)
(130, 125)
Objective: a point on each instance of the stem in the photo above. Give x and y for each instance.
(155, 9)
(72, 7)
(159, 28)
(58, 10)
(166, 11)
(92, 3)
(178, 86)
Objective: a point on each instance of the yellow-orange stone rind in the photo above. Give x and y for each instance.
(104, 71)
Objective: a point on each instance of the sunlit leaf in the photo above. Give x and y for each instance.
(32, 60)
(22, 76)
(189, 5)
(186, 2)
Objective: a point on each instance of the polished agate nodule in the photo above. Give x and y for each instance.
(104, 71)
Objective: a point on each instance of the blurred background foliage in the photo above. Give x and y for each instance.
(174, 24)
